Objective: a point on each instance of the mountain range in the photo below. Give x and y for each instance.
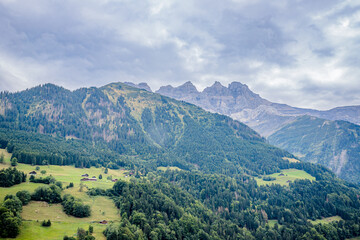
(152, 129)
(240, 103)
(222, 180)
(323, 138)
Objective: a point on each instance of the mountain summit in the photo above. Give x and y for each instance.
(240, 103)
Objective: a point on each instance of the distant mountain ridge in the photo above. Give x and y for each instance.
(240, 103)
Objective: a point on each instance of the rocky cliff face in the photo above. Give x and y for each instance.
(239, 102)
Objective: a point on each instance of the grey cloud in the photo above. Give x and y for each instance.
(260, 43)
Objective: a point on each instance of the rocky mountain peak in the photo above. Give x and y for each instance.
(141, 85)
(217, 89)
(188, 87)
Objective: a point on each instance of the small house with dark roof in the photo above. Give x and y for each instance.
(85, 175)
(32, 173)
(103, 222)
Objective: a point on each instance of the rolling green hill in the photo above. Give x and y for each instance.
(334, 144)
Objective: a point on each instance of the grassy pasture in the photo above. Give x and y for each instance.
(170, 168)
(327, 220)
(271, 223)
(67, 174)
(292, 160)
(288, 175)
(32, 230)
(102, 208)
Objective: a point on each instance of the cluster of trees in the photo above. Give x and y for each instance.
(10, 211)
(75, 207)
(50, 194)
(46, 223)
(11, 176)
(45, 180)
(154, 210)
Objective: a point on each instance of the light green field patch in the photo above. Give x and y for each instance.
(67, 174)
(14, 189)
(271, 223)
(285, 177)
(32, 230)
(7, 156)
(102, 208)
(169, 168)
(292, 160)
(327, 220)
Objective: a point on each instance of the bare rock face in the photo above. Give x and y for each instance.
(239, 102)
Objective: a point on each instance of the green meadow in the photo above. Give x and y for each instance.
(169, 168)
(32, 230)
(285, 176)
(102, 208)
(327, 220)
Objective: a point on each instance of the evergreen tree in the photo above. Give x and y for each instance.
(14, 162)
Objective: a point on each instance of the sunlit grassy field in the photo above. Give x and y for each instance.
(285, 176)
(169, 168)
(102, 208)
(327, 220)
(291, 159)
(32, 230)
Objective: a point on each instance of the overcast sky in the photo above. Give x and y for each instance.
(303, 53)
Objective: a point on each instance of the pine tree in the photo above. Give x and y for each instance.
(2, 157)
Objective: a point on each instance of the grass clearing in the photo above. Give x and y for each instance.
(169, 168)
(327, 220)
(102, 208)
(7, 156)
(67, 174)
(14, 189)
(32, 230)
(285, 176)
(292, 160)
(271, 223)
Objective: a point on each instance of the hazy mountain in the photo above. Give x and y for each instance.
(239, 102)
(335, 144)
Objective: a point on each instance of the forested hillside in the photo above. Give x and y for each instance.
(121, 120)
(335, 144)
(210, 188)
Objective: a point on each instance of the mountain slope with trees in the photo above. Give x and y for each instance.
(213, 195)
(126, 122)
(335, 144)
